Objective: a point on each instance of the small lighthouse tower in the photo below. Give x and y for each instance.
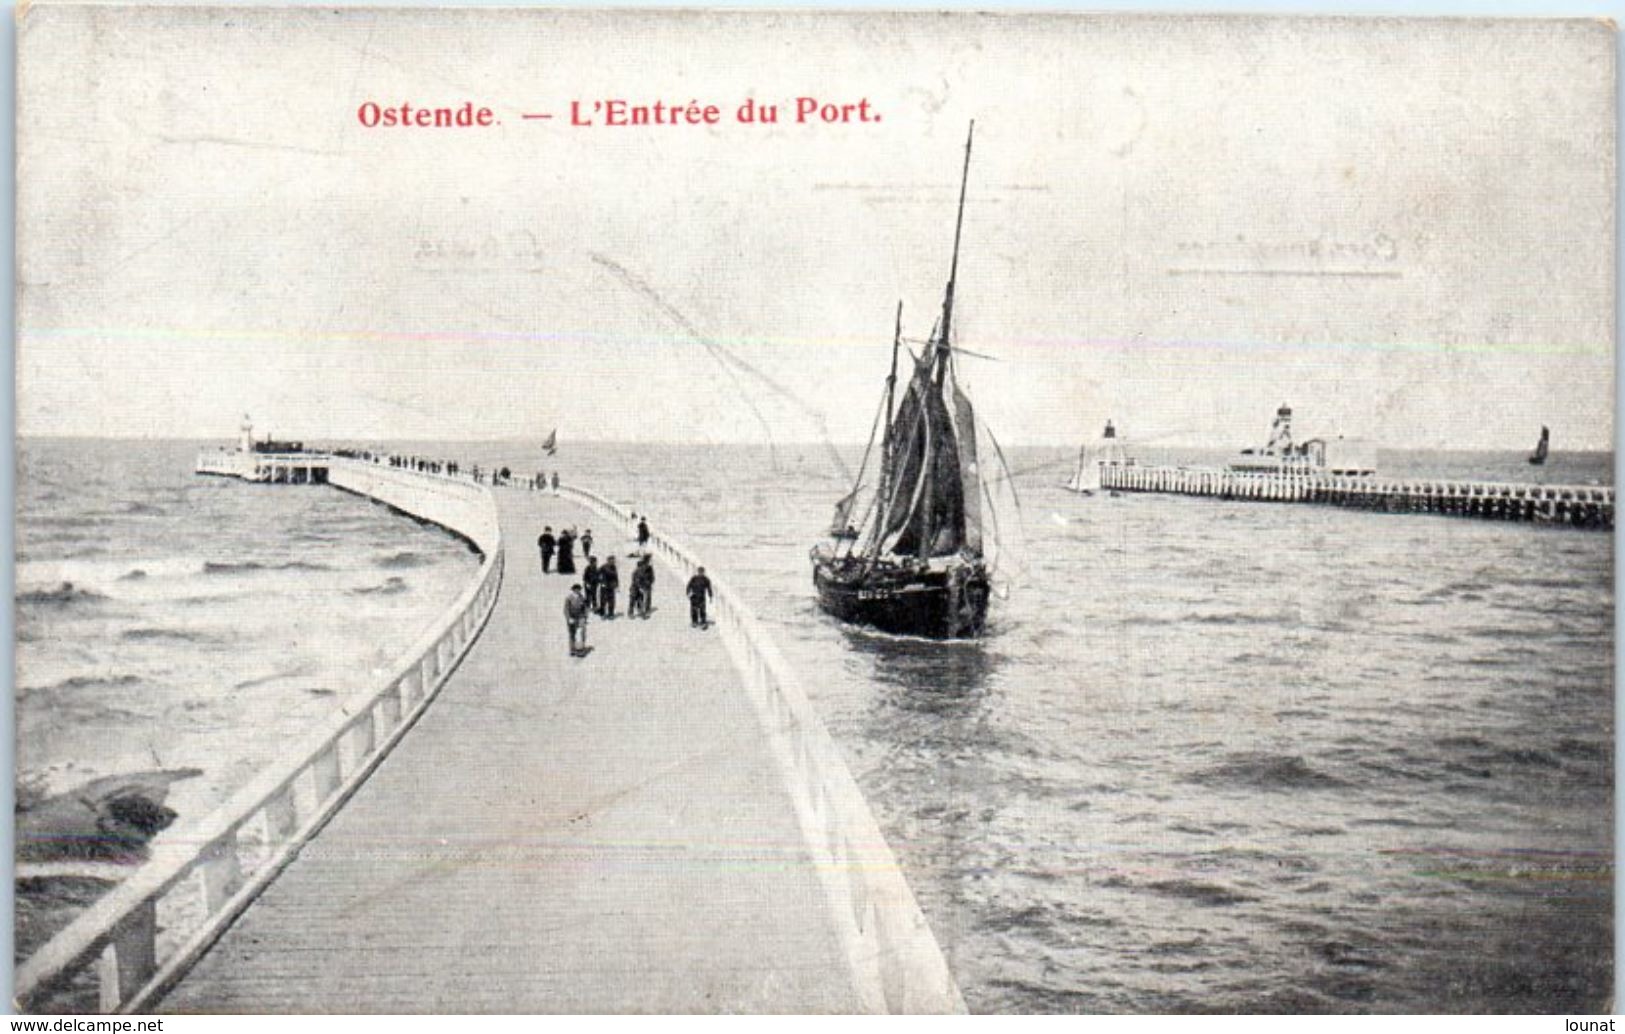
(1280, 443)
(1107, 452)
(245, 437)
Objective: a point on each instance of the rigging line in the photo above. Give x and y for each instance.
(857, 485)
(956, 348)
(863, 465)
(1000, 452)
(1016, 561)
(1014, 495)
(1036, 468)
(993, 514)
(724, 355)
(666, 309)
(868, 512)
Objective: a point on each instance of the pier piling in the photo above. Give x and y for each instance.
(1577, 506)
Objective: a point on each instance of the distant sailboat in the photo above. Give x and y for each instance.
(1108, 451)
(1541, 448)
(552, 444)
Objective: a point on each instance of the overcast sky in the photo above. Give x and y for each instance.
(1405, 229)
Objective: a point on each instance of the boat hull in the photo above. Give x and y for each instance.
(939, 604)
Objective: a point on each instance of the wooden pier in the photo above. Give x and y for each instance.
(1578, 506)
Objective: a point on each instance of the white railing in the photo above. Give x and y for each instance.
(201, 877)
(1333, 488)
(896, 962)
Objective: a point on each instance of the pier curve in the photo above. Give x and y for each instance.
(662, 826)
(127, 948)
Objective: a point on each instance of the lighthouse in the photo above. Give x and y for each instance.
(245, 438)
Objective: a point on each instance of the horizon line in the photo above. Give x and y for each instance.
(809, 443)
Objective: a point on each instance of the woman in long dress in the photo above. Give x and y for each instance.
(567, 545)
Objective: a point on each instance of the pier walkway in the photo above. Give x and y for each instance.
(605, 834)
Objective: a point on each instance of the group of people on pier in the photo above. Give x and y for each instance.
(596, 592)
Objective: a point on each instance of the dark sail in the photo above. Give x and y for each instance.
(1541, 447)
(931, 493)
(928, 491)
(901, 476)
(970, 477)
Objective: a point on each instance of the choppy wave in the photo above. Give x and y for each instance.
(240, 566)
(1266, 772)
(83, 682)
(406, 560)
(64, 594)
(175, 635)
(1198, 892)
(394, 585)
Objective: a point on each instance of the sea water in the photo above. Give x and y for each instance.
(1212, 755)
(169, 621)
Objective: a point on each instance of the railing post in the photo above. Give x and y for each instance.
(390, 706)
(222, 873)
(365, 741)
(324, 769)
(131, 956)
(281, 817)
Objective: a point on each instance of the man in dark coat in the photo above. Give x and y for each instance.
(546, 543)
(643, 533)
(699, 590)
(567, 560)
(575, 618)
(589, 578)
(643, 588)
(609, 580)
(586, 542)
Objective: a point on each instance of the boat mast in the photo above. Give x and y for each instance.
(883, 490)
(959, 224)
(891, 378)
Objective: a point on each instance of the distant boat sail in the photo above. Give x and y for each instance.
(1108, 451)
(914, 563)
(552, 444)
(1541, 447)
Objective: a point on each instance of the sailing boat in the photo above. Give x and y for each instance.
(914, 563)
(552, 444)
(1108, 451)
(1539, 458)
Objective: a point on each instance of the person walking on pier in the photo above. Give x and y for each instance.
(567, 560)
(609, 580)
(589, 578)
(555, 482)
(699, 590)
(643, 534)
(575, 618)
(546, 543)
(586, 542)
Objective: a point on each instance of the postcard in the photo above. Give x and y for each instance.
(684, 511)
